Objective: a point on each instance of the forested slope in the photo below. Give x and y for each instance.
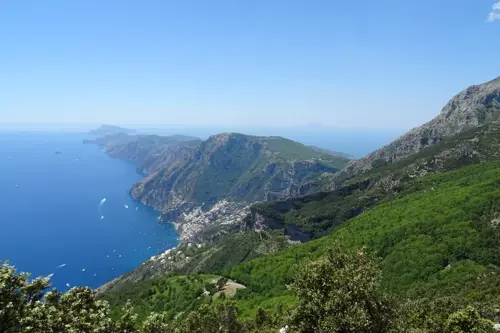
(438, 238)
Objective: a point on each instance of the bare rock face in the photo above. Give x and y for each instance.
(473, 107)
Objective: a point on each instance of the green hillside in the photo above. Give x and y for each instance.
(318, 214)
(221, 253)
(438, 238)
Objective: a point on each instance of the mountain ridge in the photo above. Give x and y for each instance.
(228, 170)
(236, 167)
(472, 107)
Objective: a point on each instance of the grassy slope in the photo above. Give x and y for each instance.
(436, 221)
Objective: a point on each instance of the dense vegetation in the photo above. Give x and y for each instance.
(169, 294)
(316, 215)
(339, 292)
(438, 237)
(436, 234)
(432, 219)
(437, 240)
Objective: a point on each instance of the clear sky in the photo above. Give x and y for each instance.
(365, 63)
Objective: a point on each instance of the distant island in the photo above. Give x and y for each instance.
(110, 129)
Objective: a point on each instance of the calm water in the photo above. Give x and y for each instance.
(51, 213)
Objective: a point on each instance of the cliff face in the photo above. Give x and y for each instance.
(473, 107)
(227, 170)
(235, 167)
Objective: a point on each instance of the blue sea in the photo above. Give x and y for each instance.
(50, 211)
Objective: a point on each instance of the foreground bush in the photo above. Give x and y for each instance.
(337, 293)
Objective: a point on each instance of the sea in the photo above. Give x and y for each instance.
(53, 216)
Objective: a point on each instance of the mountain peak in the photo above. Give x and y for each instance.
(494, 82)
(471, 108)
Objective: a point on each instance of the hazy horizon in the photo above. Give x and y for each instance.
(356, 142)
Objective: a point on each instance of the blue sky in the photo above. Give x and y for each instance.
(363, 64)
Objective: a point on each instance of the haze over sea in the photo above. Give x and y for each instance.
(49, 207)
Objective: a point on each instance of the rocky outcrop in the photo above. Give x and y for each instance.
(473, 107)
(477, 145)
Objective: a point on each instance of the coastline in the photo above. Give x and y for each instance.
(58, 214)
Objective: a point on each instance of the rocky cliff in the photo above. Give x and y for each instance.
(238, 168)
(473, 107)
(202, 186)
